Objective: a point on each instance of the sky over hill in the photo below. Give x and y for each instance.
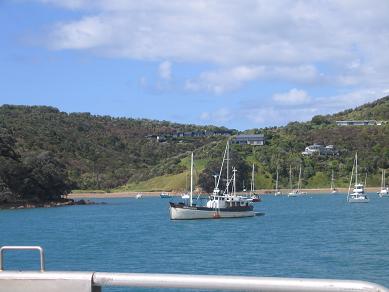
(241, 64)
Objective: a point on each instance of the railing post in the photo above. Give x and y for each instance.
(40, 249)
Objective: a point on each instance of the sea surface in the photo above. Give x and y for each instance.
(318, 236)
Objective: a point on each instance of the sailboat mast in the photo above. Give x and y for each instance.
(382, 178)
(228, 164)
(332, 180)
(356, 168)
(298, 184)
(221, 168)
(191, 181)
(252, 180)
(234, 182)
(290, 177)
(277, 180)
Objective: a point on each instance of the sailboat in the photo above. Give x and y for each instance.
(219, 205)
(254, 197)
(358, 194)
(297, 192)
(277, 190)
(384, 192)
(334, 190)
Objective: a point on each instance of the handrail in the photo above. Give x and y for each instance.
(263, 284)
(40, 249)
(96, 280)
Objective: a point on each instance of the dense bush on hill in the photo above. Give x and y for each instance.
(100, 151)
(33, 177)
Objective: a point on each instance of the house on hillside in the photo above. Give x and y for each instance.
(317, 149)
(258, 139)
(359, 123)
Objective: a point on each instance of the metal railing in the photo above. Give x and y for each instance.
(43, 281)
(232, 283)
(38, 248)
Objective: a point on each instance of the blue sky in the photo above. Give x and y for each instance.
(240, 64)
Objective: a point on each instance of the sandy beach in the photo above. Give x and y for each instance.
(156, 194)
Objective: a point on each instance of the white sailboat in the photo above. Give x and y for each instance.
(219, 205)
(297, 192)
(334, 190)
(384, 192)
(277, 191)
(358, 193)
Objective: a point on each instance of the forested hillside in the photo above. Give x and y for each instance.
(102, 152)
(284, 147)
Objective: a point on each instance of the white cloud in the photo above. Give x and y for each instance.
(223, 80)
(238, 32)
(342, 44)
(165, 70)
(221, 115)
(88, 33)
(292, 97)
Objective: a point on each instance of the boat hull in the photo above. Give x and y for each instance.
(190, 213)
(358, 199)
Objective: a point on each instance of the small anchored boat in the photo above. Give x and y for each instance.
(358, 194)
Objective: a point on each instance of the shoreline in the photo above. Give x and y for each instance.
(316, 191)
(46, 204)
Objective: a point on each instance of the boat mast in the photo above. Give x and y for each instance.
(290, 177)
(332, 180)
(356, 168)
(252, 180)
(234, 181)
(221, 168)
(298, 184)
(191, 181)
(228, 164)
(382, 178)
(277, 180)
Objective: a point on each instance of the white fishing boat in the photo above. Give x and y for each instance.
(384, 192)
(358, 193)
(296, 192)
(219, 205)
(138, 196)
(277, 191)
(333, 189)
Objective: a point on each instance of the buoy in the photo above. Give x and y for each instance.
(216, 216)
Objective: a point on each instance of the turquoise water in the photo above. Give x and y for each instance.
(317, 236)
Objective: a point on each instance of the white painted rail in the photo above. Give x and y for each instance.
(233, 283)
(43, 281)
